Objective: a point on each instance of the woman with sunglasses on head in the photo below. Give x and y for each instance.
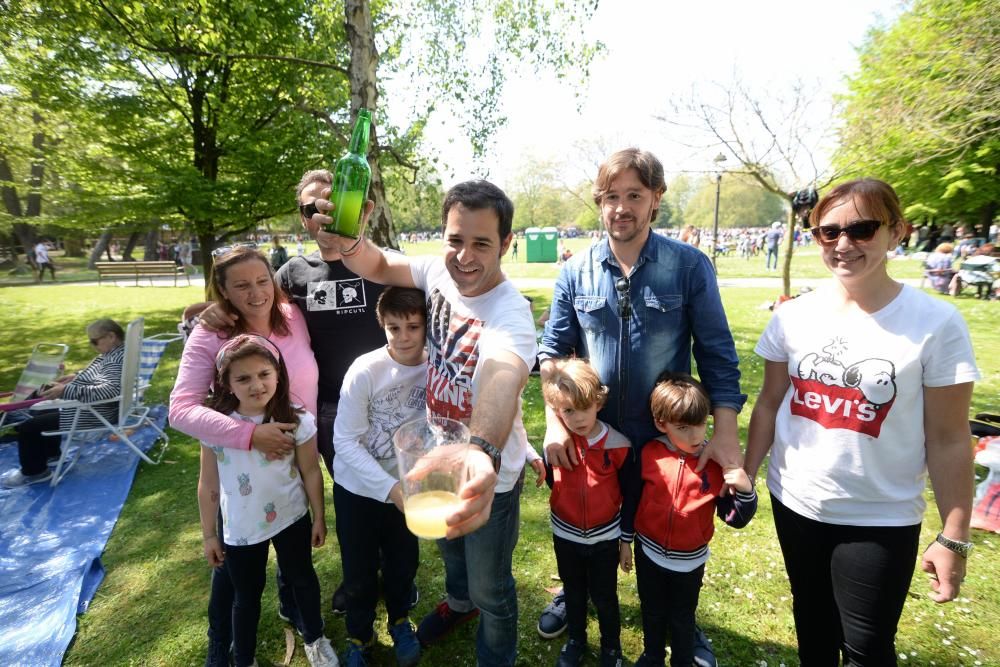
(100, 380)
(867, 385)
(242, 287)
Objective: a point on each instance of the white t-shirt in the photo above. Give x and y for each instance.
(261, 498)
(849, 435)
(460, 331)
(41, 254)
(378, 395)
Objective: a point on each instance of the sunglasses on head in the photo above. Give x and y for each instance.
(222, 250)
(308, 210)
(862, 230)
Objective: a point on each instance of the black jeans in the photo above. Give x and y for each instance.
(366, 527)
(849, 584)
(593, 569)
(220, 605)
(668, 601)
(33, 448)
(247, 567)
(326, 415)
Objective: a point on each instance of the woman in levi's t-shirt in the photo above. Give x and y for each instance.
(867, 385)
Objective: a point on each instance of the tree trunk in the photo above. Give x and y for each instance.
(152, 244)
(364, 93)
(207, 243)
(786, 264)
(99, 248)
(72, 246)
(133, 238)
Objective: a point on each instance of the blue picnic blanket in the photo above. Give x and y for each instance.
(51, 542)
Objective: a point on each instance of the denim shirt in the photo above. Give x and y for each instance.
(674, 307)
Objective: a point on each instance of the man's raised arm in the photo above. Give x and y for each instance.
(362, 256)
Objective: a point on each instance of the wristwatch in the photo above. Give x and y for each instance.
(961, 548)
(490, 450)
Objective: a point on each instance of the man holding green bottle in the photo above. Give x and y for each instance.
(481, 345)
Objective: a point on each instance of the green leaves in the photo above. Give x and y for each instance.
(923, 112)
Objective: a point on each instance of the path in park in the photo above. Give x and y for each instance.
(543, 283)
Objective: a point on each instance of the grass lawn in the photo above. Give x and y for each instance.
(150, 609)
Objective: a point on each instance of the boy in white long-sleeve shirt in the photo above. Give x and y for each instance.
(382, 389)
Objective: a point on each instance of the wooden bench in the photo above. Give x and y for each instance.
(115, 270)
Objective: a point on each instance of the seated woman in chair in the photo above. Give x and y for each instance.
(938, 267)
(101, 380)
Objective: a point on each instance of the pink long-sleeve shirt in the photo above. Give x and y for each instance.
(189, 415)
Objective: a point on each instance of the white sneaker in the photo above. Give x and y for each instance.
(16, 478)
(321, 654)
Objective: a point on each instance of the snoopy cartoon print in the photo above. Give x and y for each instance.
(874, 378)
(856, 396)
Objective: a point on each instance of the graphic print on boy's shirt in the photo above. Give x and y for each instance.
(385, 413)
(453, 353)
(857, 397)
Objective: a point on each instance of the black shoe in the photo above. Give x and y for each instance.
(338, 605)
(441, 622)
(552, 621)
(611, 657)
(646, 661)
(704, 656)
(571, 654)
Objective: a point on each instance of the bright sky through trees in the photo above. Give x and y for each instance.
(657, 50)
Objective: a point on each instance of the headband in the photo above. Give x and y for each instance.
(244, 339)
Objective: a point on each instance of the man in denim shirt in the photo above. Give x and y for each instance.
(636, 304)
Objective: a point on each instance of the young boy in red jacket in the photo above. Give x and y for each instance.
(586, 505)
(674, 520)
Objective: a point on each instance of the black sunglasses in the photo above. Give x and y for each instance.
(862, 230)
(95, 341)
(308, 210)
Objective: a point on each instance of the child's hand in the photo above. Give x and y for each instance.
(214, 553)
(318, 533)
(396, 496)
(738, 479)
(625, 557)
(539, 467)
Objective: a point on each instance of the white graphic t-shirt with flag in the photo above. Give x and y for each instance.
(461, 331)
(849, 436)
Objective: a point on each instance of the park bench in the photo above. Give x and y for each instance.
(115, 270)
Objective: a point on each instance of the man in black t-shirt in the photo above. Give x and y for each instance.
(339, 308)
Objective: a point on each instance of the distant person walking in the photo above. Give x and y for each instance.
(279, 255)
(513, 248)
(771, 240)
(42, 261)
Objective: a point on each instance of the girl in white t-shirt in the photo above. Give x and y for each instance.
(263, 501)
(867, 385)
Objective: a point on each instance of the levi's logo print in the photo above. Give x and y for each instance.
(336, 295)
(453, 352)
(836, 391)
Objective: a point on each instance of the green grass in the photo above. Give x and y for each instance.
(150, 609)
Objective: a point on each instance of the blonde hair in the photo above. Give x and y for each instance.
(680, 399)
(576, 381)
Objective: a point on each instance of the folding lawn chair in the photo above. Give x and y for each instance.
(131, 413)
(149, 358)
(44, 365)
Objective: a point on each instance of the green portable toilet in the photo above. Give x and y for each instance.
(543, 244)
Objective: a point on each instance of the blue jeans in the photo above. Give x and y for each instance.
(478, 569)
(772, 252)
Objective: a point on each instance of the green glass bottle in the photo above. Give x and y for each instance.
(350, 181)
